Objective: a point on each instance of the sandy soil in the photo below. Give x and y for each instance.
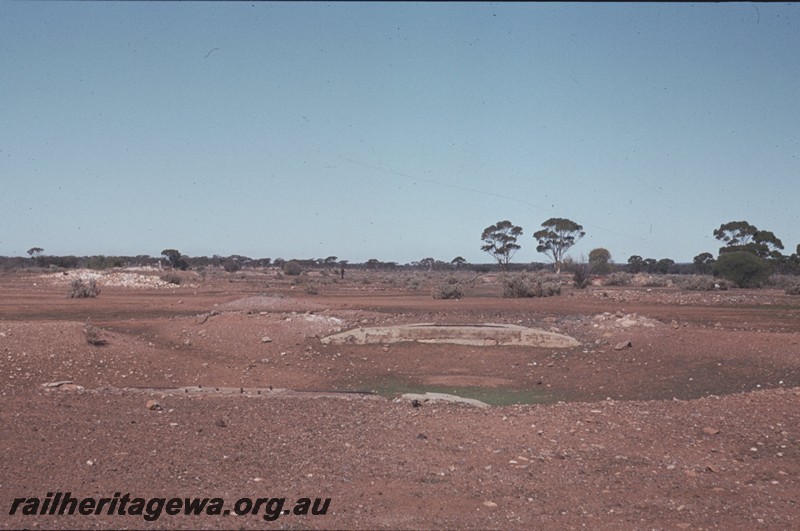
(694, 425)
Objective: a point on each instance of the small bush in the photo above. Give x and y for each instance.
(547, 289)
(412, 283)
(781, 281)
(171, 278)
(292, 268)
(655, 282)
(311, 289)
(92, 334)
(793, 290)
(516, 287)
(580, 274)
(519, 286)
(618, 279)
(80, 289)
(450, 289)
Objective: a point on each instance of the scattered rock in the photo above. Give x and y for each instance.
(266, 339)
(710, 431)
(153, 405)
(220, 423)
(204, 317)
(442, 397)
(623, 345)
(57, 384)
(489, 504)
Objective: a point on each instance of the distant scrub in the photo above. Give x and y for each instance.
(618, 279)
(793, 290)
(705, 283)
(655, 282)
(781, 281)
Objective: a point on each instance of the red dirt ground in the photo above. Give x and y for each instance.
(695, 426)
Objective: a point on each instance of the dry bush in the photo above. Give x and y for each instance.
(312, 289)
(705, 283)
(80, 289)
(171, 278)
(92, 334)
(450, 289)
(580, 274)
(412, 283)
(655, 282)
(618, 279)
(781, 281)
(519, 286)
(793, 290)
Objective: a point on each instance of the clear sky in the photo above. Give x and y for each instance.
(394, 131)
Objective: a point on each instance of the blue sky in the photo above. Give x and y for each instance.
(394, 131)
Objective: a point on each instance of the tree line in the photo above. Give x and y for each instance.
(746, 249)
(749, 254)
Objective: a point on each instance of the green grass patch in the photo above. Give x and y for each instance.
(494, 396)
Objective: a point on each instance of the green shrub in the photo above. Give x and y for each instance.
(80, 289)
(292, 268)
(231, 266)
(744, 269)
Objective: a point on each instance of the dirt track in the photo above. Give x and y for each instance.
(694, 426)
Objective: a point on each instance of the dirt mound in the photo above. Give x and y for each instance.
(607, 320)
(442, 397)
(268, 303)
(468, 334)
(120, 279)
